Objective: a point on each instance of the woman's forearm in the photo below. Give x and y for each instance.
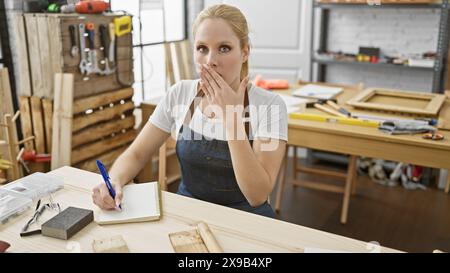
(126, 167)
(252, 178)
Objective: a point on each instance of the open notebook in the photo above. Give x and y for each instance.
(140, 203)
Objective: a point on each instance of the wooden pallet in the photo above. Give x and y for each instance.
(100, 126)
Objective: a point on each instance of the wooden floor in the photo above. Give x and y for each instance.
(408, 220)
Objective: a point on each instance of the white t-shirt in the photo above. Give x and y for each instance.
(268, 113)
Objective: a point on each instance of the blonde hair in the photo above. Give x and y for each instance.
(234, 17)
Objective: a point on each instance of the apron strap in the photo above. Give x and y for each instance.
(200, 94)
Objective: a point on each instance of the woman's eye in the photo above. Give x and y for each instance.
(201, 49)
(224, 49)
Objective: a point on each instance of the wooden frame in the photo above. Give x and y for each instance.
(426, 104)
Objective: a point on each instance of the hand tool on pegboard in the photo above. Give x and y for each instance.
(105, 41)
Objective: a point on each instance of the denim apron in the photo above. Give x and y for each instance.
(206, 168)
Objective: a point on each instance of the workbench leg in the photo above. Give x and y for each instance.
(294, 164)
(348, 186)
(281, 180)
(355, 178)
(162, 178)
(447, 187)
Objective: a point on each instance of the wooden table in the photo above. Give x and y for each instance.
(236, 231)
(364, 141)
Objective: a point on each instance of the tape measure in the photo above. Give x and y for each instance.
(122, 25)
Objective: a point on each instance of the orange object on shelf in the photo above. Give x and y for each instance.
(270, 83)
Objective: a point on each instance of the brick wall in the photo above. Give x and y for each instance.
(395, 31)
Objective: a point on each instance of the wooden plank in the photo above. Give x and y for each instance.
(102, 115)
(38, 124)
(6, 108)
(99, 84)
(47, 106)
(100, 147)
(102, 130)
(169, 64)
(187, 64)
(45, 57)
(6, 105)
(11, 138)
(19, 52)
(81, 105)
(62, 121)
(34, 53)
(317, 186)
(107, 159)
(180, 61)
(26, 122)
(54, 40)
(444, 114)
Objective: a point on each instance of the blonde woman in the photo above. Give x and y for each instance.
(231, 135)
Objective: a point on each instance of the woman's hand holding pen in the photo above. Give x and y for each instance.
(102, 198)
(221, 96)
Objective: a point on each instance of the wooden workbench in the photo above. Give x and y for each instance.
(365, 142)
(236, 231)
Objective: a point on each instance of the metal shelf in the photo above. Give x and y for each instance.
(383, 6)
(381, 65)
(439, 69)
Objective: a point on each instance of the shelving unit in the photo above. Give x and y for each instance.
(438, 70)
(364, 64)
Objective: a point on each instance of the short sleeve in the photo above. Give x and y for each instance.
(164, 117)
(273, 120)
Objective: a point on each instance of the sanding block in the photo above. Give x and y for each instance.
(67, 223)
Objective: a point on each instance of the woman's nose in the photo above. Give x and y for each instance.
(211, 60)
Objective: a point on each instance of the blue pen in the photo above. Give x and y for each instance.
(105, 176)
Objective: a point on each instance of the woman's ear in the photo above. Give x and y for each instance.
(245, 53)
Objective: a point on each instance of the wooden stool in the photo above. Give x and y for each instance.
(347, 189)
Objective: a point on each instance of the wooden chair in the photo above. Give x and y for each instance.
(12, 143)
(178, 63)
(349, 178)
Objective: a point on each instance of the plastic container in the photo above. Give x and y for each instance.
(12, 205)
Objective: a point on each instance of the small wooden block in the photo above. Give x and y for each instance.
(188, 242)
(115, 244)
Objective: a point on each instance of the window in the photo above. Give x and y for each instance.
(154, 22)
